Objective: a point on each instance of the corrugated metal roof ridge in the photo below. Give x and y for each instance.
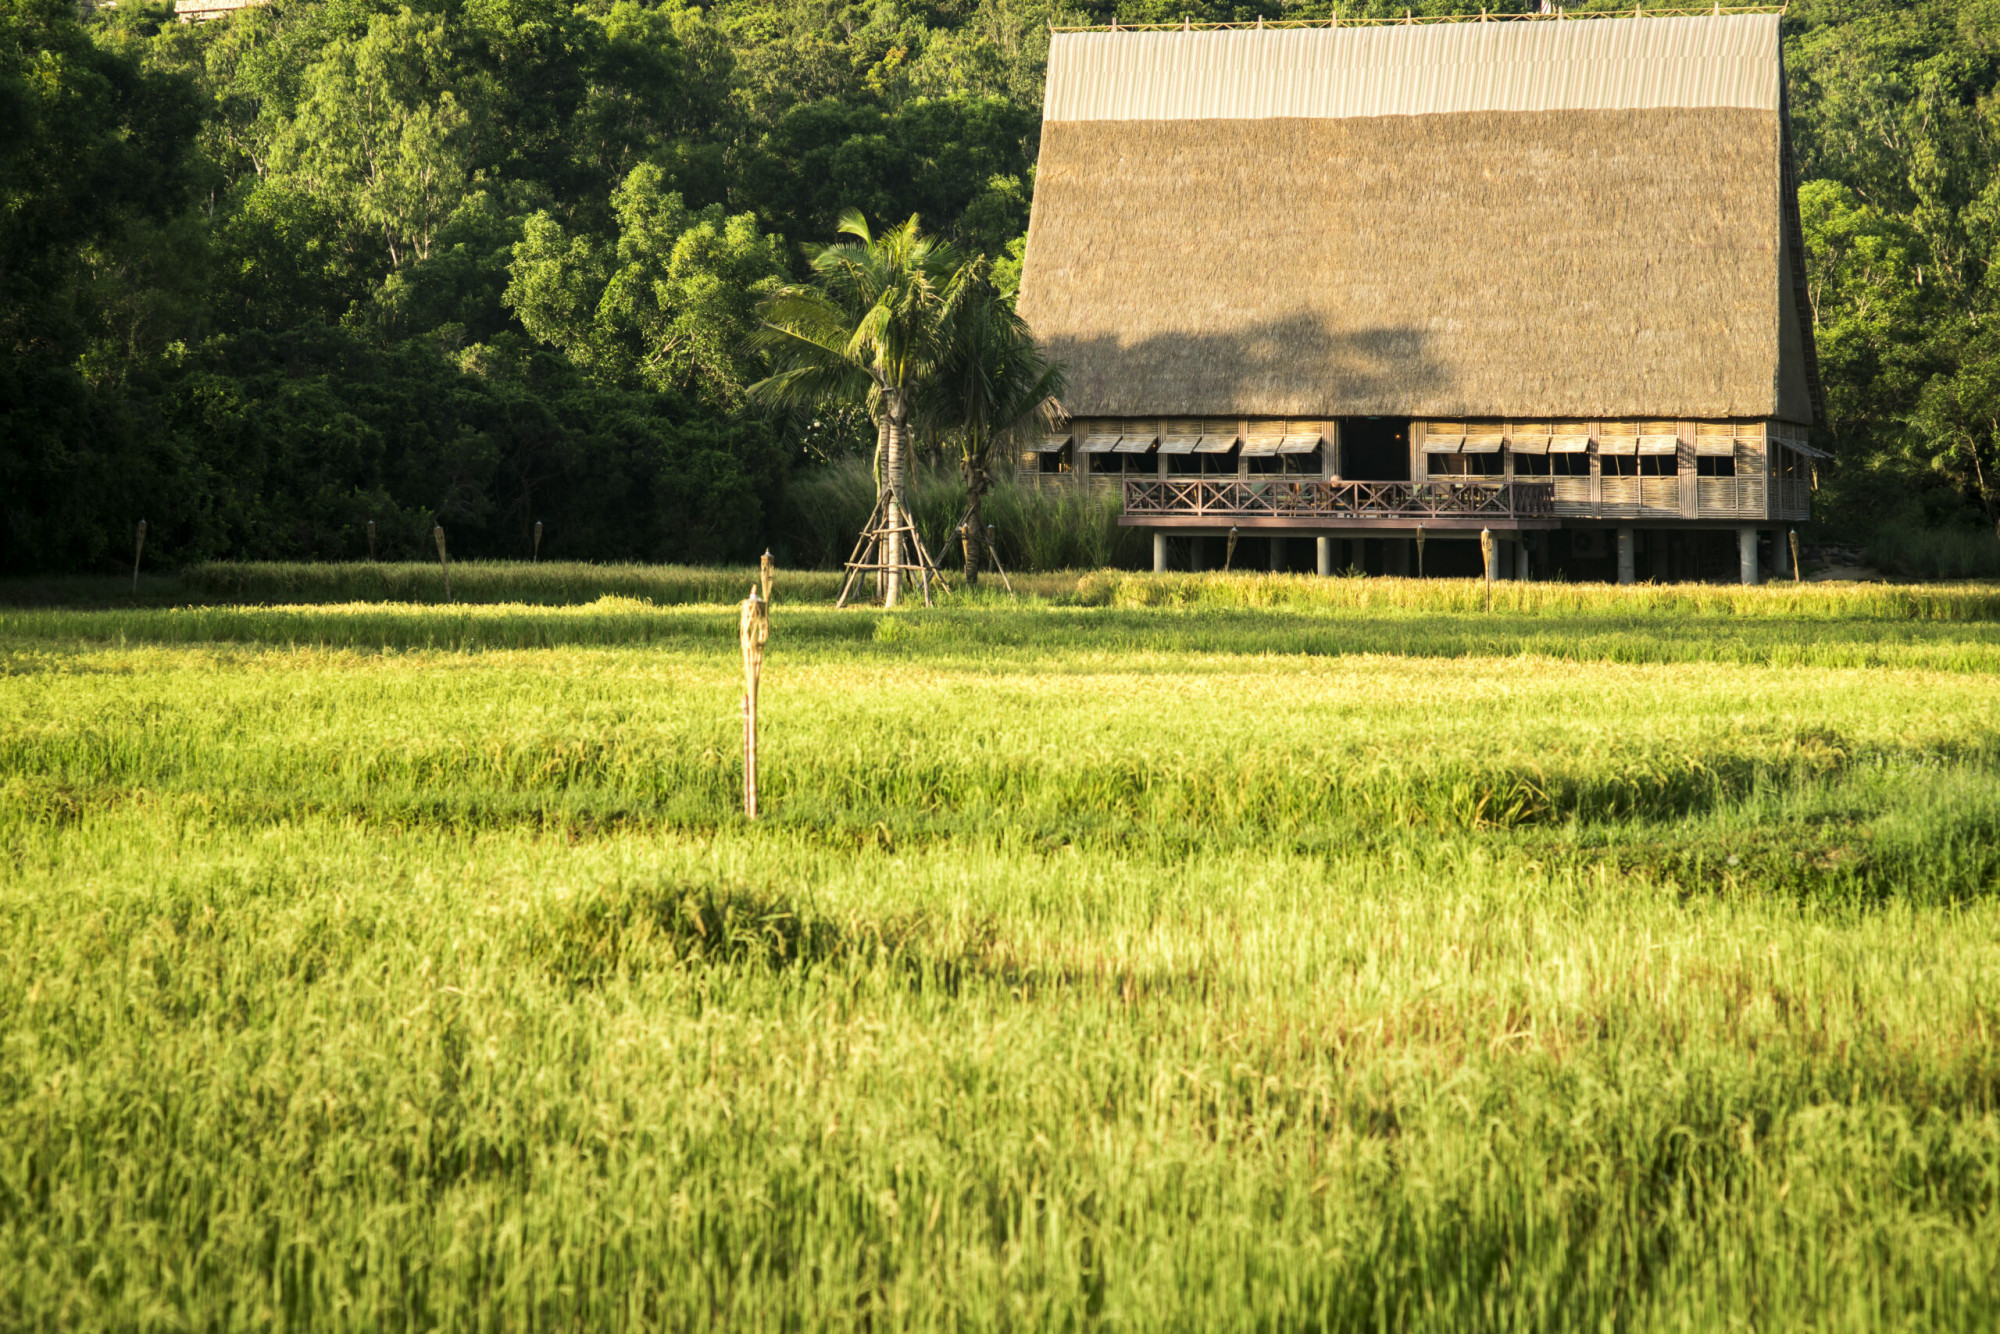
(1236, 74)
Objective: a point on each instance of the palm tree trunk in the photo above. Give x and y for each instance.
(976, 482)
(892, 542)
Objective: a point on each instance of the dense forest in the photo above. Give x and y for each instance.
(487, 262)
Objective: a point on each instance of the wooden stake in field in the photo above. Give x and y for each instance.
(993, 551)
(753, 630)
(437, 535)
(138, 550)
(1229, 550)
(371, 539)
(1420, 551)
(536, 559)
(1486, 559)
(1797, 574)
(766, 570)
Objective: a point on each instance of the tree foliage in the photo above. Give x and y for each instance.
(475, 260)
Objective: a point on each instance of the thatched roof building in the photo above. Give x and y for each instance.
(1548, 221)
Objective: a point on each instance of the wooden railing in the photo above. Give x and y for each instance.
(1305, 498)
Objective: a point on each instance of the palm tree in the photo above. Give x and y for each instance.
(993, 383)
(873, 329)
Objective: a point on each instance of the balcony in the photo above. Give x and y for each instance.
(1295, 502)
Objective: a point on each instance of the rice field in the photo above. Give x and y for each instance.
(1218, 952)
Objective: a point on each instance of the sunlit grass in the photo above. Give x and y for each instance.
(1314, 964)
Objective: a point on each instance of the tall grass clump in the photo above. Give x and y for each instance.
(1057, 528)
(1936, 553)
(1776, 600)
(550, 583)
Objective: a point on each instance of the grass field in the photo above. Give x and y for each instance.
(1185, 952)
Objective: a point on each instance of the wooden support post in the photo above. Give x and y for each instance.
(753, 629)
(1746, 554)
(1277, 553)
(1788, 555)
(1159, 553)
(1323, 555)
(1194, 553)
(1420, 551)
(371, 539)
(1490, 550)
(138, 550)
(1628, 572)
(1229, 551)
(1521, 572)
(536, 557)
(437, 535)
(993, 554)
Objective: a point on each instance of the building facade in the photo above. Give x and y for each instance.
(1366, 283)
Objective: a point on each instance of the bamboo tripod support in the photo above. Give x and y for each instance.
(966, 533)
(868, 551)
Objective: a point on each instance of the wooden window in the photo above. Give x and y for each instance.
(1618, 438)
(1484, 464)
(1484, 437)
(1710, 465)
(1179, 437)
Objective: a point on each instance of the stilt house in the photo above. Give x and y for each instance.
(1373, 282)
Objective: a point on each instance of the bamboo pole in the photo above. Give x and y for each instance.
(753, 629)
(1420, 551)
(1797, 575)
(993, 551)
(1229, 551)
(437, 535)
(138, 550)
(766, 570)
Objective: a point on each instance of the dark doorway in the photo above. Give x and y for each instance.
(1375, 449)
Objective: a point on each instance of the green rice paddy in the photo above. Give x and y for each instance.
(1213, 952)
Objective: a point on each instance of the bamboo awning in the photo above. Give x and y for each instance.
(1569, 444)
(1261, 446)
(1618, 443)
(1178, 444)
(1135, 444)
(1049, 444)
(1098, 444)
(1529, 444)
(1481, 444)
(1298, 444)
(1442, 444)
(1715, 446)
(1810, 451)
(1215, 444)
(1659, 444)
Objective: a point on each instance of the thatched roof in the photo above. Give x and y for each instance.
(1551, 219)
